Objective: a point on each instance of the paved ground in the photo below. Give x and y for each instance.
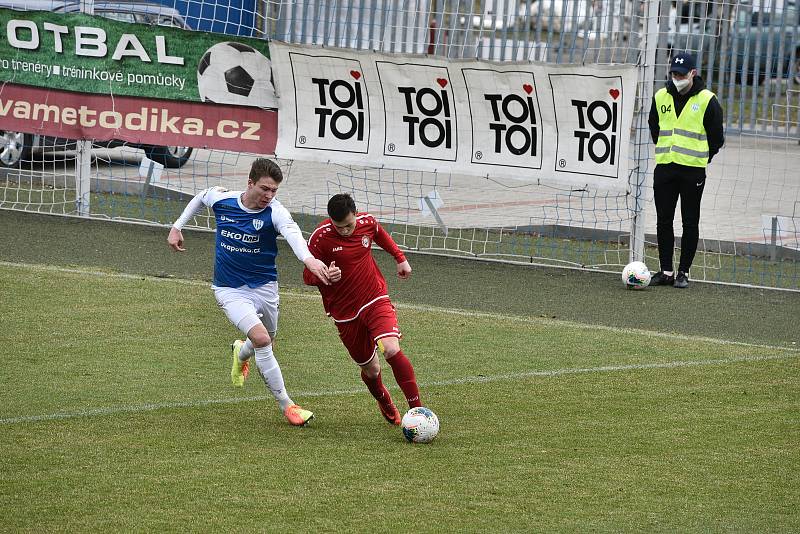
(752, 180)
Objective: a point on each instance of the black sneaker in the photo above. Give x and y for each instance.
(661, 279)
(681, 280)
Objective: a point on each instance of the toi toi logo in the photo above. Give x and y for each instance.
(520, 112)
(341, 108)
(601, 143)
(428, 115)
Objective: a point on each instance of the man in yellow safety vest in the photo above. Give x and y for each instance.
(686, 126)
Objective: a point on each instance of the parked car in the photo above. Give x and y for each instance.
(754, 42)
(755, 32)
(556, 15)
(492, 19)
(16, 147)
(141, 12)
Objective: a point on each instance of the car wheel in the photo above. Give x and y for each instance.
(15, 147)
(172, 157)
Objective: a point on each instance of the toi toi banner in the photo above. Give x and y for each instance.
(532, 122)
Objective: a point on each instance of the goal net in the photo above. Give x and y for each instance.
(746, 54)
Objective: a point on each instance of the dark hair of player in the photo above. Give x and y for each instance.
(265, 167)
(340, 205)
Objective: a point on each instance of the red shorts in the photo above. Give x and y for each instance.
(361, 335)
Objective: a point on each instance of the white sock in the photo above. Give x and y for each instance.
(271, 373)
(668, 273)
(246, 351)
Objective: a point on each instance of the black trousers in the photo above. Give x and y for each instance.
(671, 182)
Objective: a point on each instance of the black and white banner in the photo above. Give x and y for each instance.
(531, 122)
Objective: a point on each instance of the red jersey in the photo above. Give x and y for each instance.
(362, 282)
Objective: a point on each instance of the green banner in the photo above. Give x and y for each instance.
(97, 55)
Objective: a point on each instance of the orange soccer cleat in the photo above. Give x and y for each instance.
(297, 416)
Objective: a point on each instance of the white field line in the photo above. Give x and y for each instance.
(480, 379)
(421, 307)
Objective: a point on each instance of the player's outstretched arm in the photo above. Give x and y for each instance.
(284, 224)
(385, 241)
(310, 279)
(175, 240)
(318, 269)
(403, 269)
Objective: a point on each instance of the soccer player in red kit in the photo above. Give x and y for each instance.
(357, 298)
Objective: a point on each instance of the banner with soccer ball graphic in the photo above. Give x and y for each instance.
(83, 77)
(533, 122)
(236, 73)
(93, 54)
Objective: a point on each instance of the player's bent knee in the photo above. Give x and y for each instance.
(372, 368)
(372, 371)
(259, 337)
(260, 341)
(389, 346)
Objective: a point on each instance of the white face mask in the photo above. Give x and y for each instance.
(680, 85)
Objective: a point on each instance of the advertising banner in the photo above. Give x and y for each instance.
(92, 54)
(71, 115)
(527, 121)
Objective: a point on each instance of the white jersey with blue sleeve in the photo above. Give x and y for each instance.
(246, 242)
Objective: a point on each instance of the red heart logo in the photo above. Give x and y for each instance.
(528, 88)
(442, 82)
(355, 74)
(614, 93)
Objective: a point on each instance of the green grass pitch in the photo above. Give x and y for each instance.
(116, 414)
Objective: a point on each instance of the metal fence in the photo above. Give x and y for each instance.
(747, 52)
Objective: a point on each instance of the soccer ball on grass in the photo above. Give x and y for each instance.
(235, 73)
(635, 275)
(420, 425)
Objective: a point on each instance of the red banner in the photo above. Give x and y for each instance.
(137, 120)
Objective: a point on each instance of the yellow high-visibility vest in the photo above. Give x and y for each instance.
(682, 139)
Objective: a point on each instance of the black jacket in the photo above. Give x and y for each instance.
(712, 121)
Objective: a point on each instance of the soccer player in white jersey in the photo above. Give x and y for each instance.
(245, 276)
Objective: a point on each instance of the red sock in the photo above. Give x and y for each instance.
(376, 387)
(404, 375)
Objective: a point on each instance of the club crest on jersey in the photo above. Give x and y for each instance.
(365, 241)
(257, 224)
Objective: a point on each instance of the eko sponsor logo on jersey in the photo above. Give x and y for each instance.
(244, 238)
